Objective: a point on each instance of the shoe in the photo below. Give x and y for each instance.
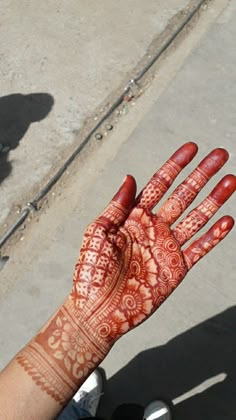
(89, 394)
(157, 410)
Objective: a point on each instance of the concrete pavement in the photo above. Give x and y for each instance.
(186, 351)
(74, 54)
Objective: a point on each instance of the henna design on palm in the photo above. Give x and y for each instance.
(130, 262)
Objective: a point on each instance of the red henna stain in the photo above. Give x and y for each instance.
(165, 176)
(127, 192)
(214, 161)
(201, 246)
(130, 262)
(183, 156)
(224, 189)
(198, 217)
(186, 192)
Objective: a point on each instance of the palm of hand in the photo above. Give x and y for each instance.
(124, 276)
(131, 260)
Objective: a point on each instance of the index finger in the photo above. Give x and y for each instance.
(165, 176)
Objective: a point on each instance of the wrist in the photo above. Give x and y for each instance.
(62, 354)
(79, 338)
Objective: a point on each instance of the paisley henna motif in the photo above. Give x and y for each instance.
(130, 262)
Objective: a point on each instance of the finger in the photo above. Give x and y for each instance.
(199, 216)
(162, 179)
(194, 252)
(186, 192)
(117, 210)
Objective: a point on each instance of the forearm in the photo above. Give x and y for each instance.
(46, 373)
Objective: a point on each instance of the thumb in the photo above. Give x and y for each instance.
(119, 207)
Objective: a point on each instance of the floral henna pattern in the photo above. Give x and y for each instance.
(65, 342)
(133, 280)
(130, 262)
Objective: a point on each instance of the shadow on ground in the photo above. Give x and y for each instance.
(169, 371)
(17, 112)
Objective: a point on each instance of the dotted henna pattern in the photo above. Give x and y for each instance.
(130, 262)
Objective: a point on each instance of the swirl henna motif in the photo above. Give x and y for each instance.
(130, 262)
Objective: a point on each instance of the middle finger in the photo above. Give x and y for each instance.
(186, 192)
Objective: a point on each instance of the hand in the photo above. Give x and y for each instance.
(131, 260)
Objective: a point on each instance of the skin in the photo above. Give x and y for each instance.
(130, 261)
